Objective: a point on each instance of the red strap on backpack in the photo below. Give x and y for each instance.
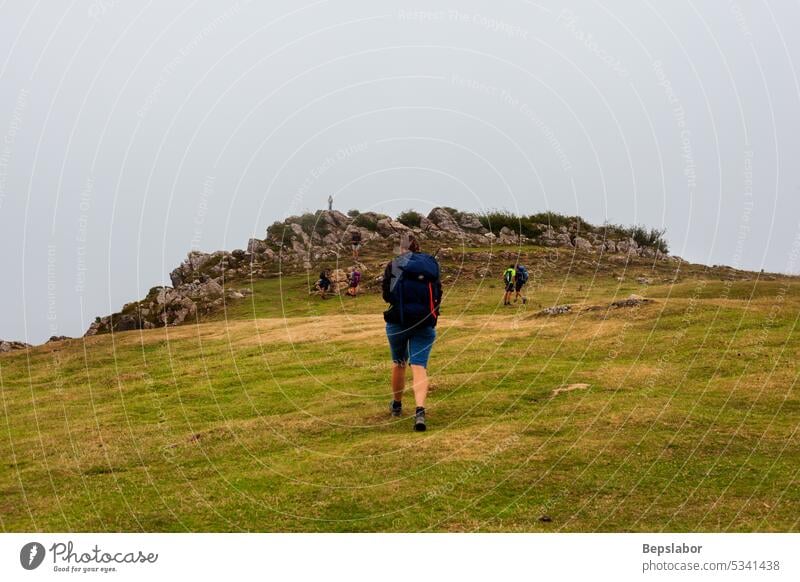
(430, 294)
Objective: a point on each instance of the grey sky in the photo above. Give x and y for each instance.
(133, 131)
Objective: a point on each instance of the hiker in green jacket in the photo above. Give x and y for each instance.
(509, 280)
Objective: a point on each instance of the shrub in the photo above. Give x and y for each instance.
(456, 214)
(276, 230)
(495, 220)
(366, 221)
(410, 218)
(310, 223)
(651, 238)
(353, 213)
(582, 225)
(553, 219)
(643, 236)
(556, 220)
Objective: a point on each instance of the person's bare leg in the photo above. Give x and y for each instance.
(398, 381)
(420, 375)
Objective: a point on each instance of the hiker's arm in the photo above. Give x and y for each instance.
(438, 295)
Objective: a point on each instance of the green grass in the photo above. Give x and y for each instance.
(271, 416)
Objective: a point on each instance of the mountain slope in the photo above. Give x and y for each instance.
(269, 414)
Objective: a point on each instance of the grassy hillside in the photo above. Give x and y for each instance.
(681, 414)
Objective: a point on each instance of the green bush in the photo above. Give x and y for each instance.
(310, 223)
(456, 214)
(556, 220)
(353, 213)
(553, 219)
(653, 237)
(644, 237)
(410, 218)
(277, 230)
(366, 221)
(495, 220)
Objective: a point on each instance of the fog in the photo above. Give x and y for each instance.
(133, 132)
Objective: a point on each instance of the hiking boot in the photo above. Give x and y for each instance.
(396, 408)
(419, 420)
(524, 301)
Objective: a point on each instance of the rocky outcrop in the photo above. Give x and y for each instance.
(204, 281)
(388, 228)
(165, 306)
(471, 222)
(632, 300)
(582, 244)
(444, 221)
(555, 310)
(10, 346)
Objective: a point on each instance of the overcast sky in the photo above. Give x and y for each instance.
(133, 131)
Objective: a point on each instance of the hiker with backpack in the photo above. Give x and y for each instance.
(354, 278)
(509, 280)
(355, 241)
(520, 279)
(413, 288)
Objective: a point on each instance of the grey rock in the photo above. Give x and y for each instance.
(582, 244)
(471, 221)
(632, 301)
(257, 246)
(441, 218)
(388, 227)
(563, 240)
(10, 346)
(556, 310)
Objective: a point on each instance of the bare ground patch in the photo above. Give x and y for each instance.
(570, 388)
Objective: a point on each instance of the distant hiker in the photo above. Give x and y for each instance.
(509, 276)
(413, 288)
(324, 283)
(520, 279)
(354, 277)
(355, 241)
(330, 202)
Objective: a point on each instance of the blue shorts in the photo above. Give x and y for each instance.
(410, 344)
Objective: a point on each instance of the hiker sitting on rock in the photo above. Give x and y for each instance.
(413, 288)
(324, 283)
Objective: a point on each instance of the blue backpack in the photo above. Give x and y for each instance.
(414, 290)
(522, 274)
